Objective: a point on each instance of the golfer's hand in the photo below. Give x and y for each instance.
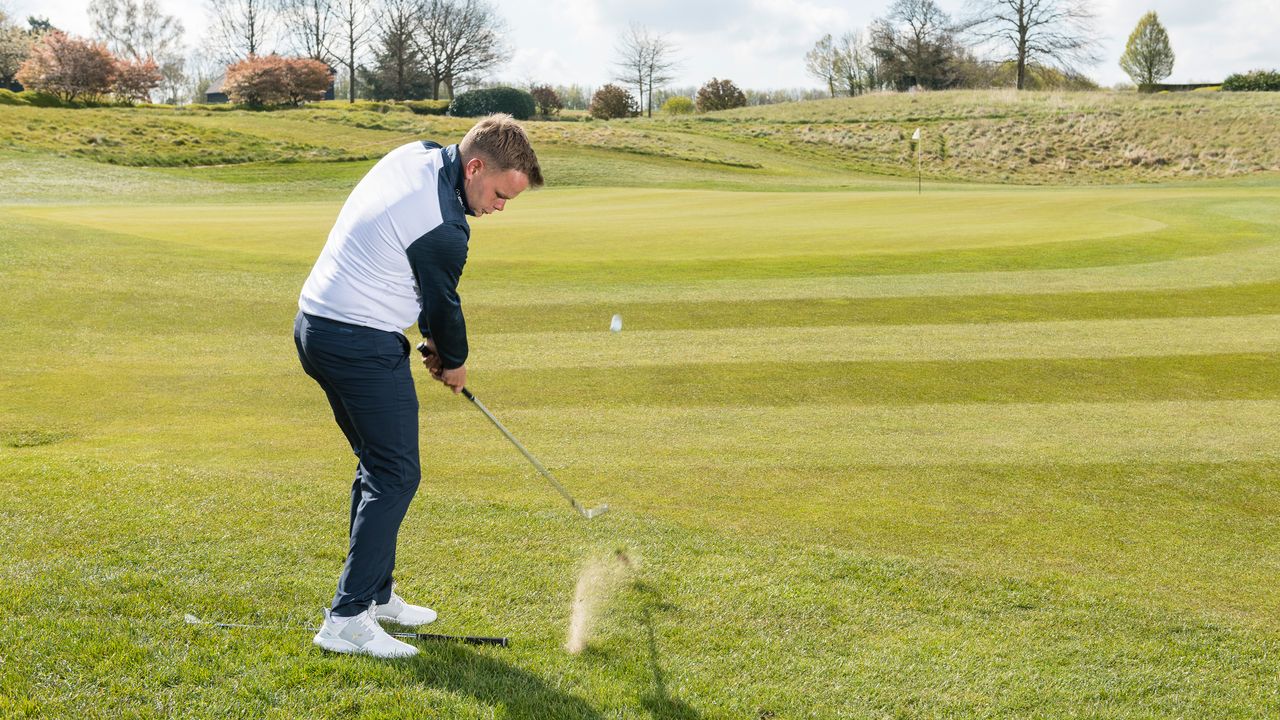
(431, 359)
(455, 378)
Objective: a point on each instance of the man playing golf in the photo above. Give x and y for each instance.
(394, 257)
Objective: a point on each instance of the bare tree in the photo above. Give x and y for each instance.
(633, 58)
(1057, 33)
(645, 61)
(201, 70)
(240, 28)
(916, 43)
(661, 66)
(141, 32)
(460, 41)
(356, 27)
(173, 79)
(309, 25)
(859, 69)
(136, 31)
(823, 62)
(397, 72)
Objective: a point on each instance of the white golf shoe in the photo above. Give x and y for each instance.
(360, 635)
(400, 612)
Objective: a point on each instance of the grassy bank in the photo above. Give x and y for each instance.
(971, 136)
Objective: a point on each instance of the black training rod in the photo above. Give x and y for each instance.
(466, 639)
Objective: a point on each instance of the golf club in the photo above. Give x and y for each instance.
(468, 639)
(584, 512)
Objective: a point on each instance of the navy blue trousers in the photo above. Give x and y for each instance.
(365, 374)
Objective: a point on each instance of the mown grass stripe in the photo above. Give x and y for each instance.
(923, 435)
(1139, 379)
(526, 286)
(968, 341)
(1258, 298)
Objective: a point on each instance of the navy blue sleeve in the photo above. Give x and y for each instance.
(437, 259)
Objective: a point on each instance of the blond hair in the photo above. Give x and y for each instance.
(499, 139)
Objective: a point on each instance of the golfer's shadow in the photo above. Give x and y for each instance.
(524, 696)
(657, 699)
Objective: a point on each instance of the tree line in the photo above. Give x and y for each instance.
(916, 44)
(1026, 44)
(416, 49)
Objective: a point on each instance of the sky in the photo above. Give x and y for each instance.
(760, 44)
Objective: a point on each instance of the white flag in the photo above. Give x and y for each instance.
(916, 135)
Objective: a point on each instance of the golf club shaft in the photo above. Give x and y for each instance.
(545, 473)
(426, 352)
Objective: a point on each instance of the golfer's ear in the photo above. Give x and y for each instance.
(475, 165)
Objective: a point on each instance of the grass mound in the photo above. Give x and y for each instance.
(1022, 137)
(969, 136)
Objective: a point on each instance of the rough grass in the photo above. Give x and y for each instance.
(993, 453)
(985, 136)
(1027, 137)
(127, 136)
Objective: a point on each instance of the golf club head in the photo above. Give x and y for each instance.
(595, 512)
(192, 619)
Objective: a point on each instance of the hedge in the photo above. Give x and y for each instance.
(1256, 81)
(475, 103)
(428, 107)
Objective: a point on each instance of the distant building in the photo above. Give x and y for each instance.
(217, 95)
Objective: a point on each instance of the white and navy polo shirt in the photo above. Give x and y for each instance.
(397, 250)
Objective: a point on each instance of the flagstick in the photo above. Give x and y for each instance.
(919, 139)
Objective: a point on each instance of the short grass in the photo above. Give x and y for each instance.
(985, 452)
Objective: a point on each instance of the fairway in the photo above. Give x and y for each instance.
(981, 452)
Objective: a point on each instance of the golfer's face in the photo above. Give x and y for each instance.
(488, 189)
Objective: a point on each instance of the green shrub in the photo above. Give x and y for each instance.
(678, 105)
(36, 98)
(378, 106)
(9, 97)
(612, 101)
(1256, 81)
(428, 107)
(720, 95)
(475, 103)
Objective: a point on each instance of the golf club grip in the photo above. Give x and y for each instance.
(422, 348)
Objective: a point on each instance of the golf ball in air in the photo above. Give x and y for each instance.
(616, 324)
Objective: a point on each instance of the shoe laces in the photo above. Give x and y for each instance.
(367, 620)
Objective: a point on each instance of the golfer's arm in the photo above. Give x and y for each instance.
(437, 259)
